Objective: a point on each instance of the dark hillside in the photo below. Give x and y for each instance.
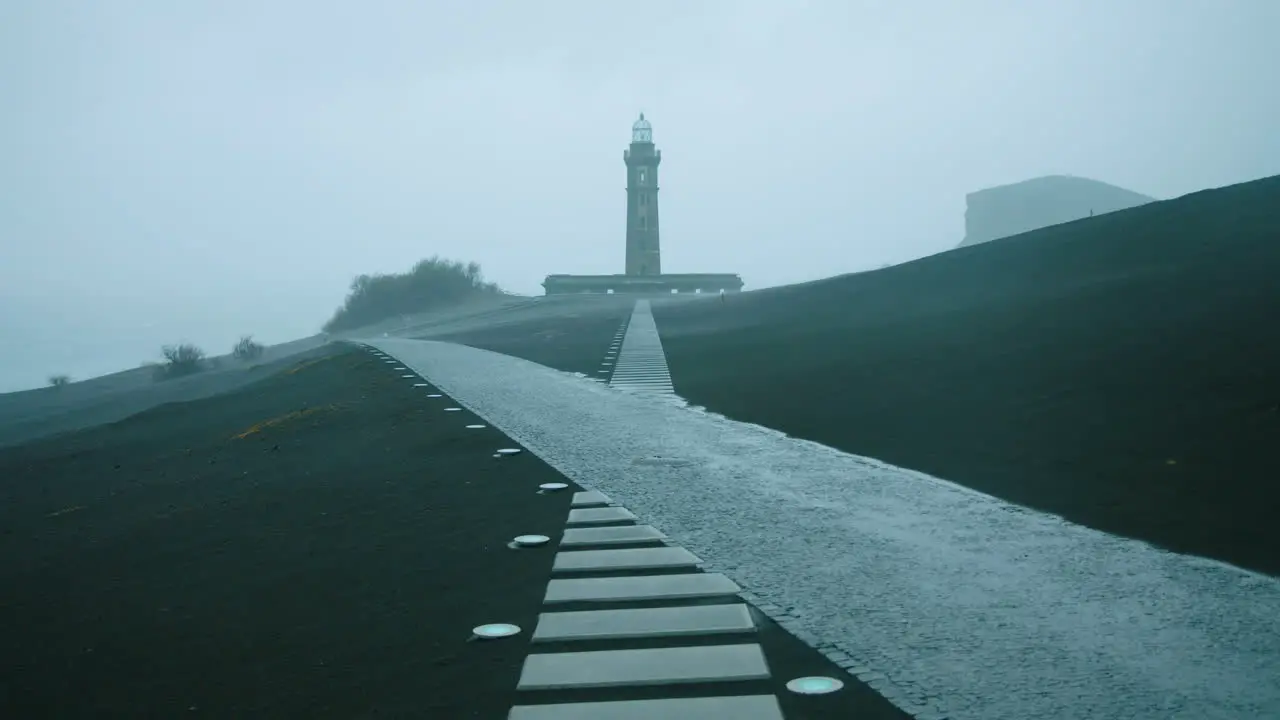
(1119, 370)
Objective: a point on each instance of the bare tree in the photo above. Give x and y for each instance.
(246, 350)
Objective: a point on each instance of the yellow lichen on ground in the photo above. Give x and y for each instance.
(287, 417)
(305, 364)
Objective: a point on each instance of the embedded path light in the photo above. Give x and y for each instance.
(552, 486)
(814, 685)
(524, 541)
(475, 427)
(508, 451)
(494, 631)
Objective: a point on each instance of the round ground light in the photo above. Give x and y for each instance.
(508, 451)
(553, 486)
(493, 631)
(530, 540)
(814, 685)
(453, 409)
(475, 427)
(435, 395)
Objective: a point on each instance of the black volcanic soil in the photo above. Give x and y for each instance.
(574, 339)
(317, 545)
(32, 414)
(1122, 371)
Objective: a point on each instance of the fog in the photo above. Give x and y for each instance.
(193, 171)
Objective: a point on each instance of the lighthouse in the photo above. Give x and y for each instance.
(643, 263)
(644, 253)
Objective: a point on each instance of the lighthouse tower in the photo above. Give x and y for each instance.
(643, 274)
(644, 256)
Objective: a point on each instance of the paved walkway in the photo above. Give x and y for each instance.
(641, 363)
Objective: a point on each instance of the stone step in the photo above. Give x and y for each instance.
(653, 587)
(589, 498)
(616, 535)
(595, 516)
(644, 623)
(734, 707)
(650, 558)
(650, 666)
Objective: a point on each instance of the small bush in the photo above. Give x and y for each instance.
(59, 380)
(246, 350)
(180, 360)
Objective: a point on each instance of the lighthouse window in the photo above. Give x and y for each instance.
(642, 222)
(642, 176)
(644, 199)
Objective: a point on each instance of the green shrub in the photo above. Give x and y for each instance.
(180, 360)
(431, 283)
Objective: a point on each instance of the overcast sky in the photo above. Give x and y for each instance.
(194, 170)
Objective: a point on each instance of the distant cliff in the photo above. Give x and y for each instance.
(1012, 209)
